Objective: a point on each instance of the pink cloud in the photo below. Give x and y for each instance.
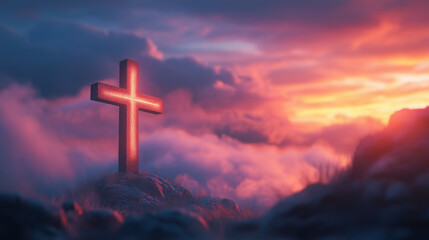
(41, 148)
(228, 168)
(54, 142)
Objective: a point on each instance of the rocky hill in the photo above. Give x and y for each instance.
(123, 206)
(384, 195)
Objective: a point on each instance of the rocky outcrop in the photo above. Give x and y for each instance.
(383, 196)
(22, 218)
(126, 206)
(165, 224)
(143, 193)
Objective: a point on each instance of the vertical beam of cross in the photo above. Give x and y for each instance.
(128, 119)
(130, 102)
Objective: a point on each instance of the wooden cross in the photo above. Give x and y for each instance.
(130, 101)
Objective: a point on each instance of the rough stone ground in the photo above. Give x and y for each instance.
(147, 192)
(124, 206)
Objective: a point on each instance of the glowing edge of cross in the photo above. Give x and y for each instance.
(100, 90)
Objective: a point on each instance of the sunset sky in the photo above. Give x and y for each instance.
(259, 95)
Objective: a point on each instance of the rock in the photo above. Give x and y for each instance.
(164, 224)
(72, 207)
(157, 209)
(230, 205)
(127, 198)
(398, 191)
(99, 224)
(101, 219)
(213, 204)
(383, 196)
(141, 193)
(244, 229)
(398, 152)
(71, 212)
(22, 218)
(209, 203)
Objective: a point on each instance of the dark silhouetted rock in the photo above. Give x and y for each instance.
(164, 224)
(157, 209)
(72, 207)
(399, 152)
(383, 196)
(101, 219)
(22, 218)
(99, 224)
(244, 229)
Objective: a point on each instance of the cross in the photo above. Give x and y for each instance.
(130, 101)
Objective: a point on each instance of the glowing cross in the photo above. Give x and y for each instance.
(129, 102)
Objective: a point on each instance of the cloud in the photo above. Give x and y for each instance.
(345, 136)
(58, 58)
(41, 151)
(228, 168)
(240, 11)
(211, 88)
(308, 56)
(49, 144)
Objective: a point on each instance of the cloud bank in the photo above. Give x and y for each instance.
(50, 144)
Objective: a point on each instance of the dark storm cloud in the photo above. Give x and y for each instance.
(60, 58)
(332, 13)
(106, 44)
(185, 73)
(209, 88)
(270, 23)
